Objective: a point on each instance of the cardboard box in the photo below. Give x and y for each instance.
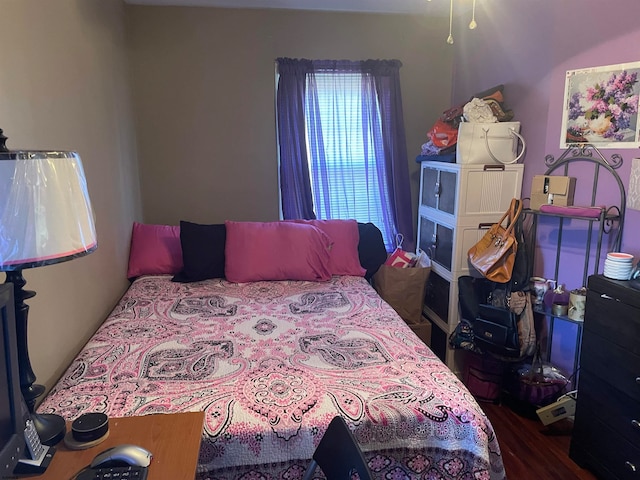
(552, 190)
(423, 330)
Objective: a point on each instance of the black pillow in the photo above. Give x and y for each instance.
(371, 249)
(202, 251)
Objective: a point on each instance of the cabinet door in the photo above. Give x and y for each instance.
(437, 296)
(430, 187)
(437, 241)
(427, 236)
(448, 187)
(439, 189)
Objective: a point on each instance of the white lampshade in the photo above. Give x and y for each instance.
(45, 211)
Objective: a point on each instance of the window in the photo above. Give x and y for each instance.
(345, 180)
(341, 143)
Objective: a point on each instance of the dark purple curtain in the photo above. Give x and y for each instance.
(387, 81)
(295, 186)
(383, 81)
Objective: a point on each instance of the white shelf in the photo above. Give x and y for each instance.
(458, 203)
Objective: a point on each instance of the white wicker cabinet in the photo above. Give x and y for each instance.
(458, 203)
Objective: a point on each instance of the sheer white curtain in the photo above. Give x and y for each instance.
(348, 116)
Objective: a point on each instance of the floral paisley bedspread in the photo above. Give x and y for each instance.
(270, 363)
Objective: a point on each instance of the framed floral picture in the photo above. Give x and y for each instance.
(601, 106)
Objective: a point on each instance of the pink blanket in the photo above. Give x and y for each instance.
(270, 363)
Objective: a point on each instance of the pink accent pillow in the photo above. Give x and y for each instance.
(155, 250)
(344, 258)
(257, 251)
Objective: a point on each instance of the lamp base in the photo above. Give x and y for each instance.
(51, 428)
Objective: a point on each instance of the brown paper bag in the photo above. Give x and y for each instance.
(403, 289)
(423, 331)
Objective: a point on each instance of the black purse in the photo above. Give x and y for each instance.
(493, 320)
(495, 330)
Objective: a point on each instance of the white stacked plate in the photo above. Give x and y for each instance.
(618, 266)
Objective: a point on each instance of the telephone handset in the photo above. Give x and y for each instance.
(35, 447)
(39, 455)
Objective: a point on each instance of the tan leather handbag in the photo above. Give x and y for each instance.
(495, 253)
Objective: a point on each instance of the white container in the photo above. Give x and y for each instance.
(468, 194)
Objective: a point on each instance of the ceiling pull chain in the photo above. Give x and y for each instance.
(473, 24)
(450, 37)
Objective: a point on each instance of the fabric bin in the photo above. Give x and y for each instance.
(483, 375)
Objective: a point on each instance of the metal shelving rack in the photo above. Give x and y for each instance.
(610, 221)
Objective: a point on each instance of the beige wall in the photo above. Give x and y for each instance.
(63, 85)
(203, 94)
(203, 83)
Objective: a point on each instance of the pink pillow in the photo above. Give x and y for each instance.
(275, 251)
(343, 258)
(575, 211)
(155, 250)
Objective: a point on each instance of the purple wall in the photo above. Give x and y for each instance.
(528, 46)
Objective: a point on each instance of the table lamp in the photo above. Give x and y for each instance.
(45, 218)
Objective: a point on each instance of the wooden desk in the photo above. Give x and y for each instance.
(174, 440)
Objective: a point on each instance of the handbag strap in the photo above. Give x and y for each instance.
(399, 240)
(537, 367)
(515, 209)
(511, 132)
(507, 215)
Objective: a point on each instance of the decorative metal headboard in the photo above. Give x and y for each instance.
(586, 152)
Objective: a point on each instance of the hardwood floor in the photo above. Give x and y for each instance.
(531, 451)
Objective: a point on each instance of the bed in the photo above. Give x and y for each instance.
(271, 362)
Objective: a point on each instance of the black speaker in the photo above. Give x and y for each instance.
(89, 427)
